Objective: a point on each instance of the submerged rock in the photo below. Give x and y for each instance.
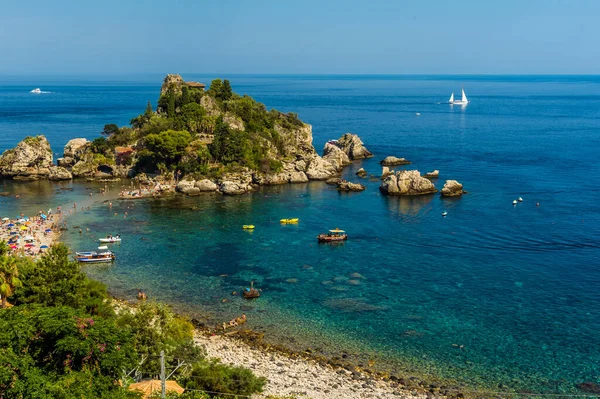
(334, 181)
(361, 172)
(394, 161)
(406, 182)
(452, 188)
(31, 159)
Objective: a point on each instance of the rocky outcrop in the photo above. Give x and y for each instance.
(187, 187)
(385, 172)
(406, 182)
(336, 155)
(320, 169)
(353, 146)
(432, 175)
(452, 188)
(233, 121)
(333, 181)
(59, 173)
(236, 183)
(31, 159)
(206, 186)
(361, 172)
(394, 161)
(75, 148)
(173, 82)
(349, 186)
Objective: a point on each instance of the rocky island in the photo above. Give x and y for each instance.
(209, 141)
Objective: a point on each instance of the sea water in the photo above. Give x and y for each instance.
(490, 294)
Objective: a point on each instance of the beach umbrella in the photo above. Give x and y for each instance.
(43, 216)
(23, 227)
(147, 388)
(29, 238)
(5, 219)
(43, 247)
(48, 230)
(10, 225)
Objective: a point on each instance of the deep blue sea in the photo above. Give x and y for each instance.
(490, 294)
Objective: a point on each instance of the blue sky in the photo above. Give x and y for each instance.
(281, 37)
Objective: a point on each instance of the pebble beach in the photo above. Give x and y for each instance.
(298, 377)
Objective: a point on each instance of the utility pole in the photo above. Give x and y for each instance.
(163, 383)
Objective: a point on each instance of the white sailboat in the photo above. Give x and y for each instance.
(462, 101)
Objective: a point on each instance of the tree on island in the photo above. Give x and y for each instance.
(110, 129)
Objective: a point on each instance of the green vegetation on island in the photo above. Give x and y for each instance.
(61, 336)
(206, 133)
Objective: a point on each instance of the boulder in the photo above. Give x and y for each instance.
(394, 161)
(59, 173)
(272, 179)
(336, 156)
(206, 185)
(361, 172)
(233, 121)
(187, 187)
(353, 146)
(29, 160)
(65, 162)
(333, 181)
(406, 182)
(298, 177)
(75, 148)
(452, 188)
(320, 169)
(385, 172)
(236, 183)
(432, 175)
(349, 186)
(83, 169)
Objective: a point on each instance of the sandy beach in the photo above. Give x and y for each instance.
(300, 377)
(30, 235)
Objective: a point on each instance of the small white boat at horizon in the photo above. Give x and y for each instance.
(462, 101)
(37, 90)
(520, 199)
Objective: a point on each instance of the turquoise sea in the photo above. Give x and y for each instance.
(492, 295)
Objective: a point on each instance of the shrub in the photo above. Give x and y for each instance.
(216, 377)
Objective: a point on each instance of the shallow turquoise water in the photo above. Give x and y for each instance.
(516, 286)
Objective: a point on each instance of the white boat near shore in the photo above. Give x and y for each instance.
(37, 90)
(111, 239)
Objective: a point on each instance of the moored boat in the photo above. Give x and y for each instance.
(289, 221)
(335, 235)
(102, 255)
(111, 239)
(248, 227)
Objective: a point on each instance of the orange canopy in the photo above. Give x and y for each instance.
(149, 386)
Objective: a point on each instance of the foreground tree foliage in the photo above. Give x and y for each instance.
(64, 339)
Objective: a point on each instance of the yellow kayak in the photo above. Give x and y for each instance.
(289, 221)
(248, 227)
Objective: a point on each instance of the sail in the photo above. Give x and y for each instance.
(464, 97)
(451, 98)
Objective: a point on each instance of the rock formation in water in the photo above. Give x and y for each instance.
(407, 182)
(349, 186)
(452, 188)
(361, 172)
(353, 146)
(432, 175)
(394, 161)
(31, 159)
